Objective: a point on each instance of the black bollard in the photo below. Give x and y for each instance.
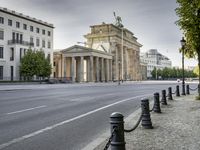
(163, 99)
(187, 89)
(198, 88)
(169, 94)
(177, 91)
(146, 117)
(156, 107)
(117, 121)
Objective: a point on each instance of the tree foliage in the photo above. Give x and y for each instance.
(189, 22)
(35, 63)
(196, 70)
(169, 73)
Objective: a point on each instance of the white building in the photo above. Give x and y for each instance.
(154, 59)
(18, 33)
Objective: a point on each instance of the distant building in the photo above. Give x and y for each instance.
(18, 33)
(154, 59)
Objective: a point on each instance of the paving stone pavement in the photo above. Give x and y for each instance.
(176, 128)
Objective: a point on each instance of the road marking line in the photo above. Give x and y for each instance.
(16, 140)
(19, 111)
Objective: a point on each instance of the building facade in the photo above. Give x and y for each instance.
(18, 33)
(111, 53)
(154, 59)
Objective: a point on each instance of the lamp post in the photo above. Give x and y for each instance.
(122, 54)
(119, 73)
(183, 42)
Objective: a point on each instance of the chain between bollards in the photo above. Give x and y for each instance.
(136, 125)
(193, 89)
(110, 139)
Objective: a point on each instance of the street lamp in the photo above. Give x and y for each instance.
(183, 42)
(122, 54)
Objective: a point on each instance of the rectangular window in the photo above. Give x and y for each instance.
(1, 72)
(24, 51)
(17, 37)
(21, 38)
(25, 26)
(38, 30)
(11, 54)
(31, 39)
(37, 42)
(17, 24)
(13, 36)
(49, 33)
(43, 32)
(9, 22)
(1, 20)
(48, 57)
(43, 43)
(31, 28)
(20, 54)
(1, 52)
(1, 35)
(49, 44)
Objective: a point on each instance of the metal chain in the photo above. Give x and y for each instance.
(136, 125)
(193, 89)
(110, 139)
(151, 109)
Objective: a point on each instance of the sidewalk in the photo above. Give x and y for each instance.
(176, 128)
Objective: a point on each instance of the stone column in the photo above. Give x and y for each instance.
(102, 70)
(64, 66)
(73, 69)
(81, 69)
(107, 70)
(116, 65)
(87, 70)
(111, 70)
(126, 63)
(60, 67)
(91, 69)
(97, 69)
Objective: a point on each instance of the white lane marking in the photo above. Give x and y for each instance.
(16, 140)
(19, 111)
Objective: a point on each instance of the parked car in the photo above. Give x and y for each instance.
(52, 81)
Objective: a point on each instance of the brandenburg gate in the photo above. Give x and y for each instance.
(111, 54)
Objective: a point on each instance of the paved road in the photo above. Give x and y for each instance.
(58, 117)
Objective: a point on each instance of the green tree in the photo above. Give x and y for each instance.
(196, 70)
(35, 63)
(153, 73)
(27, 67)
(189, 22)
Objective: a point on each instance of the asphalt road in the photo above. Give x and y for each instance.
(65, 117)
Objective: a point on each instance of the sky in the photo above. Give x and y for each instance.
(151, 21)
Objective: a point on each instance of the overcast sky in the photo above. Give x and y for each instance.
(151, 21)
